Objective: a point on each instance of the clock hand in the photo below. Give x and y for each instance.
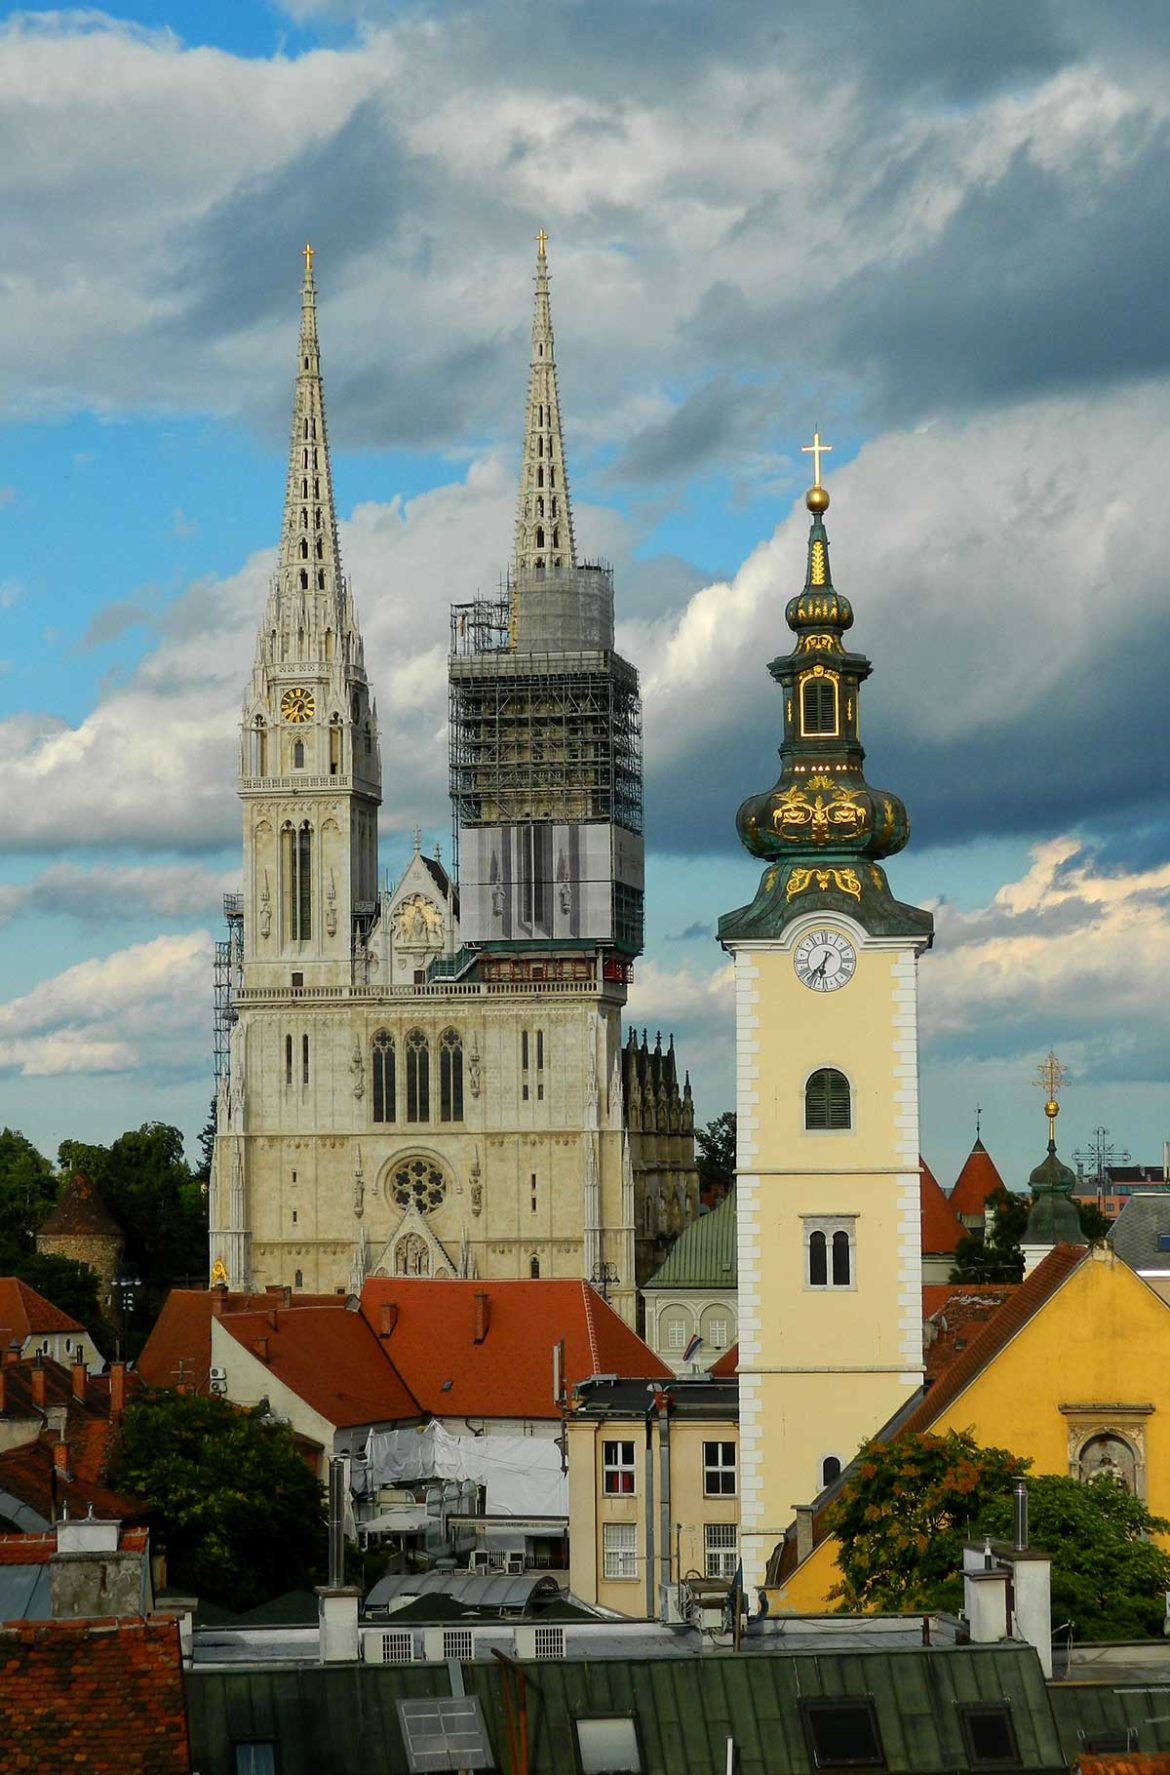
(821, 970)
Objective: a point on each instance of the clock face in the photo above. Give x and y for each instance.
(824, 961)
(297, 705)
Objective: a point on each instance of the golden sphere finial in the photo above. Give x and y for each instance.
(1052, 1109)
(817, 500)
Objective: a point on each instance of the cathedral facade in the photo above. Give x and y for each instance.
(428, 1080)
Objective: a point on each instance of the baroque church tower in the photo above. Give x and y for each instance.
(427, 1080)
(828, 1211)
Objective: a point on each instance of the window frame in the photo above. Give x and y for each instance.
(830, 1074)
(619, 1555)
(617, 1468)
(417, 1050)
(828, 1226)
(718, 1553)
(450, 1076)
(812, 1707)
(970, 1711)
(715, 1466)
(383, 1074)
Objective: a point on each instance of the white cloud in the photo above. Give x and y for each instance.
(101, 895)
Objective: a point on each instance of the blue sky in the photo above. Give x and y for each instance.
(945, 244)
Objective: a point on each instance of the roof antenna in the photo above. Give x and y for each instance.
(978, 1119)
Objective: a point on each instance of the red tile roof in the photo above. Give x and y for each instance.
(99, 1697)
(181, 1339)
(509, 1373)
(727, 1366)
(941, 1228)
(39, 1549)
(27, 1470)
(25, 1313)
(81, 1210)
(976, 1181)
(1128, 1762)
(331, 1360)
(958, 1318)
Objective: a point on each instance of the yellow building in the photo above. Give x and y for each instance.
(828, 1187)
(653, 1491)
(1071, 1372)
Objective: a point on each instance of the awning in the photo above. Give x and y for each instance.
(401, 1521)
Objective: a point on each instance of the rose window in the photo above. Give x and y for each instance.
(419, 1182)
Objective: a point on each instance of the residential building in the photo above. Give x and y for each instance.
(32, 1326)
(55, 1430)
(691, 1311)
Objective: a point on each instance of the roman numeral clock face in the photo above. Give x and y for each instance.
(824, 961)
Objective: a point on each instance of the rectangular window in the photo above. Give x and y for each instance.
(619, 1541)
(524, 1065)
(720, 1550)
(717, 1333)
(304, 1060)
(534, 1192)
(843, 1734)
(298, 980)
(255, 1759)
(719, 1469)
(989, 1735)
(617, 1461)
(608, 1746)
(458, 1643)
(676, 1334)
(540, 1066)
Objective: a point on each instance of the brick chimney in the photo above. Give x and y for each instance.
(11, 1353)
(483, 1314)
(387, 1317)
(218, 1296)
(37, 1383)
(80, 1377)
(61, 1458)
(117, 1389)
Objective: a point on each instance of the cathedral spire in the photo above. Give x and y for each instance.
(544, 521)
(310, 561)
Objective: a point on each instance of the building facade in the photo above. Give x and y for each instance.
(428, 1081)
(828, 1185)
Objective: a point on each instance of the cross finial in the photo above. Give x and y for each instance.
(978, 1119)
(816, 450)
(1050, 1077)
(541, 243)
(308, 259)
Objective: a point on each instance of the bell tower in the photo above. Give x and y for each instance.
(310, 770)
(829, 1248)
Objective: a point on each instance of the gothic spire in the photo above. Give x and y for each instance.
(544, 521)
(309, 557)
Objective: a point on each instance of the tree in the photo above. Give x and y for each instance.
(206, 1146)
(241, 1516)
(70, 1285)
(903, 1519)
(998, 1256)
(28, 1190)
(716, 1154)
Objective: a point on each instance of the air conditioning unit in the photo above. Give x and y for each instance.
(534, 1643)
(479, 1562)
(515, 1565)
(391, 1646)
(217, 1380)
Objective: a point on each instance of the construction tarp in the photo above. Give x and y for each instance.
(522, 1473)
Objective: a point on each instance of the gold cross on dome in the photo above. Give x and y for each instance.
(816, 450)
(1050, 1077)
(541, 243)
(308, 260)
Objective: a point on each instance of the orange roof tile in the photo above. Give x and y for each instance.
(1127, 1762)
(976, 1181)
(727, 1366)
(331, 1360)
(25, 1313)
(941, 1228)
(180, 1341)
(93, 1694)
(958, 1318)
(431, 1336)
(39, 1549)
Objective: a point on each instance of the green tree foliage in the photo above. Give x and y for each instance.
(716, 1153)
(998, 1257)
(71, 1286)
(206, 1146)
(147, 1185)
(28, 1190)
(240, 1515)
(904, 1518)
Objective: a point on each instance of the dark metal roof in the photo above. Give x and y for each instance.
(331, 1719)
(1135, 1232)
(698, 1397)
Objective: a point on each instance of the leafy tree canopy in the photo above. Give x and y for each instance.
(71, 1286)
(28, 1190)
(716, 1152)
(998, 1256)
(903, 1519)
(241, 1516)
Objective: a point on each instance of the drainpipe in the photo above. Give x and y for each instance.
(662, 1400)
(651, 1599)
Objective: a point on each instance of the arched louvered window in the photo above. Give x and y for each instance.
(818, 706)
(418, 1077)
(818, 1261)
(384, 1080)
(828, 1100)
(450, 1077)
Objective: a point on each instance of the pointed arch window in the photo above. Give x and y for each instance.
(385, 1078)
(304, 580)
(320, 579)
(298, 882)
(418, 1077)
(450, 1077)
(335, 721)
(828, 1101)
(539, 536)
(304, 548)
(818, 707)
(299, 755)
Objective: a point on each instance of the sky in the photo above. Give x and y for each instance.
(938, 231)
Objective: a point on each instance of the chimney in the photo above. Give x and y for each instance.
(483, 1314)
(218, 1297)
(387, 1317)
(11, 1353)
(260, 1345)
(61, 1458)
(117, 1389)
(271, 1317)
(80, 1377)
(37, 1379)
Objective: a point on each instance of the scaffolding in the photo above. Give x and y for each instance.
(229, 977)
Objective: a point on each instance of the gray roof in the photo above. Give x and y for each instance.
(1135, 1232)
(25, 1593)
(490, 1592)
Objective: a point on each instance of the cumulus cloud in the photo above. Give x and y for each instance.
(103, 895)
(142, 1009)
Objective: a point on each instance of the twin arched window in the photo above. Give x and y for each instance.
(830, 1259)
(418, 1077)
(828, 1101)
(385, 1079)
(450, 1077)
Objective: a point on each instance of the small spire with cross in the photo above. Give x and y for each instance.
(1050, 1078)
(816, 450)
(978, 1120)
(309, 256)
(541, 243)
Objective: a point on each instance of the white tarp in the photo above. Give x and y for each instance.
(522, 1473)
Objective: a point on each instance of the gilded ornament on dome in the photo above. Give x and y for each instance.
(844, 880)
(818, 819)
(820, 780)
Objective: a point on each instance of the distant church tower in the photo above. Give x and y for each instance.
(423, 1081)
(825, 959)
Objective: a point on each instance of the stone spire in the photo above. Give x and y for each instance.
(544, 520)
(309, 556)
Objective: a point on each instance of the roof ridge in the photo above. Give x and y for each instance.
(586, 1293)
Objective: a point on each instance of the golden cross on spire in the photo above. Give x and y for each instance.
(541, 243)
(816, 450)
(308, 260)
(1050, 1077)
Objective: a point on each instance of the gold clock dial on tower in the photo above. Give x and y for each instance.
(297, 705)
(824, 961)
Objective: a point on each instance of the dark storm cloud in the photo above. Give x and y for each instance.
(718, 420)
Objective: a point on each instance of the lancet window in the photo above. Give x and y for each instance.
(418, 1077)
(384, 1078)
(450, 1077)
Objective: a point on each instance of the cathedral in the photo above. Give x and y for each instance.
(429, 1080)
